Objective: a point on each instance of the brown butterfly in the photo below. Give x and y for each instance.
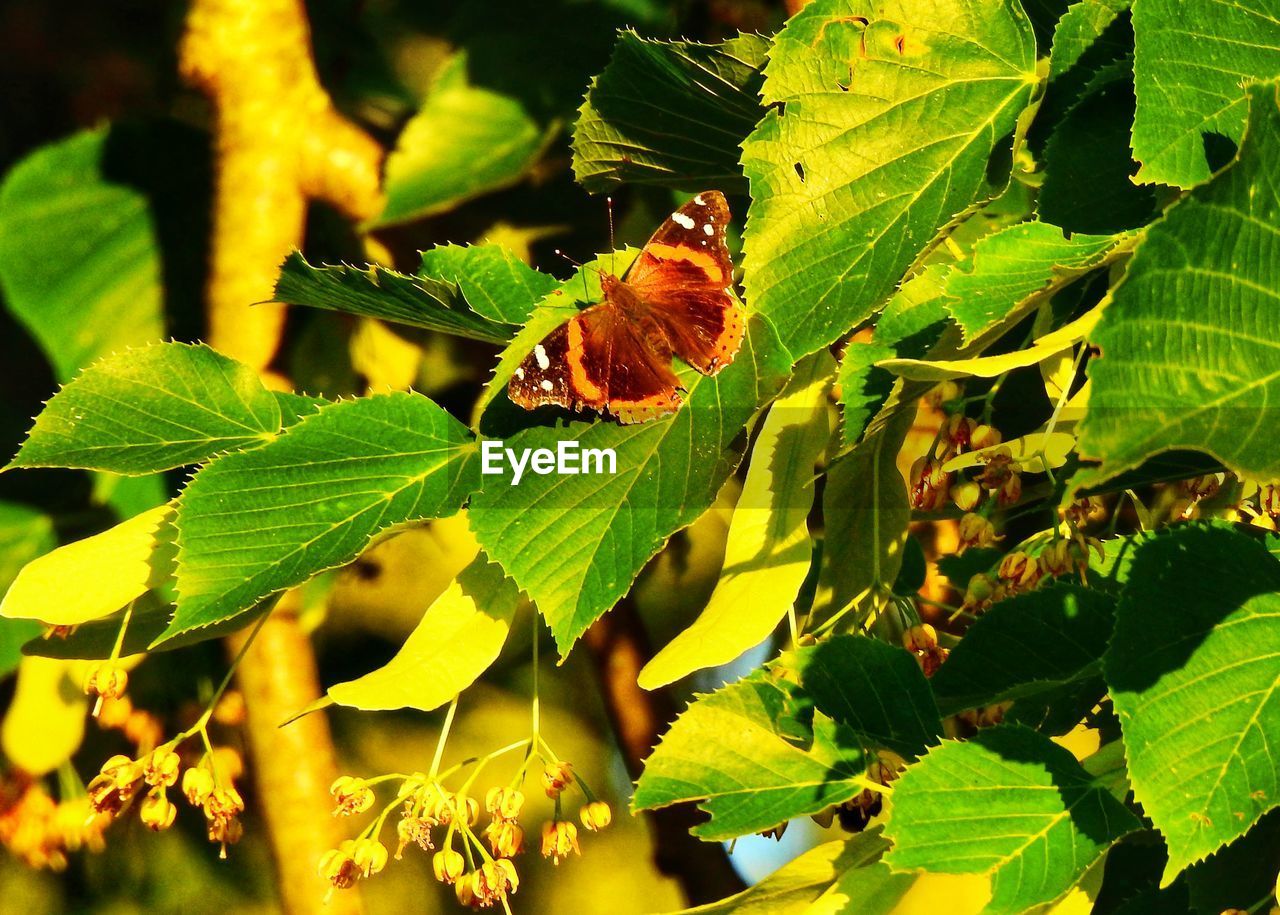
(676, 298)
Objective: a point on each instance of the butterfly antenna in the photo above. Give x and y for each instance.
(582, 271)
(613, 248)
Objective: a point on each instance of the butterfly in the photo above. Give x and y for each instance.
(676, 299)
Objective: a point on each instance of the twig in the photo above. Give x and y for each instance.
(619, 647)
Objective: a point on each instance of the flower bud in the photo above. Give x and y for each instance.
(979, 591)
(1010, 490)
(466, 895)
(984, 437)
(966, 495)
(559, 838)
(197, 784)
(157, 812)
(958, 432)
(1056, 558)
(920, 638)
(1019, 569)
(596, 815)
(352, 795)
(506, 838)
(447, 865)
(108, 680)
(338, 867)
(556, 777)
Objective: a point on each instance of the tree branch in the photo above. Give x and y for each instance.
(619, 646)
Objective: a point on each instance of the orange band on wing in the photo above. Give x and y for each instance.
(577, 370)
(692, 256)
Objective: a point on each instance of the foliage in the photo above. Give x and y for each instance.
(996, 461)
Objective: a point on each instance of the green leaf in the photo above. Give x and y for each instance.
(866, 513)
(377, 292)
(844, 196)
(709, 101)
(140, 411)
(768, 551)
(1194, 677)
(494, 282)
(24, 534)
(574, 544)
(910, 324)
(255, 522)
(1088, 163)
(465, 140)
(1079, 32)
(1192, 60)
(796, 886)
(459, 636)
(1013, 265)
(1008, 802)
(874, 689)
(757, 778)
(1026, 646)
(79, 260)
(1190, 357)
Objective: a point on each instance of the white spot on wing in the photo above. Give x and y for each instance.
(682, 220)
(546, 384)
(697, 198)
(709, 229)
(520, 374)
(541, 355)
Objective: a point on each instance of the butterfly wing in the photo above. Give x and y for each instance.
(599, 360)
(685, 278)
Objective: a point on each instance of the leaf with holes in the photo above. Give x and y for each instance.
(887, 117)
(1194, 672)
(256, 522)
(1010, 803)
(1190, 356)
(689, 141)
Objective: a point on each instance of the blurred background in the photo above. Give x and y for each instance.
(105, 145)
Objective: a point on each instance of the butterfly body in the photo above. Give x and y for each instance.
(675, 300)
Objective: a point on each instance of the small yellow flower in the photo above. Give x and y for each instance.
(966, 495)
(559, 838)
(161, 768)
(976, 531)
(494, 881)
(506, 838)
(339, 867)
(197, 785)
(370, 856)
(504, 803)
(157, 812)
(353, 795)
(556, 777)
(447, 865)
(596, 815)
(107, 679)
(920, 638)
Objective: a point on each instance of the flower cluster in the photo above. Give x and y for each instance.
(123, 779)
(932, 487)
(478, 866)
(40, 831)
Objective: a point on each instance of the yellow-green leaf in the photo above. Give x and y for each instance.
(1032, 451)
(460, 635)
(45, 721)
(96, 576)
(768, 550)
(990, 366)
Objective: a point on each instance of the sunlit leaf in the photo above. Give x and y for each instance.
(768, 552)
(153, 409)
(255, 522)
(1195, 679)
(1007, 802)
(1192, 60)
(459, 636)
(96, 576)
(44, 723)
(24, 534)
(887, 117)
